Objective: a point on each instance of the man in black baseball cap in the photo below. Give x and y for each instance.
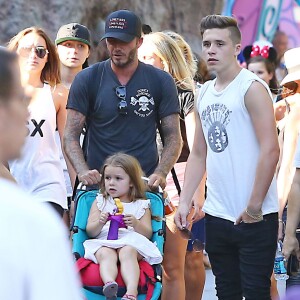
(123, 25)
(122, 101)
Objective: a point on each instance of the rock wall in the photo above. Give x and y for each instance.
(182, 16)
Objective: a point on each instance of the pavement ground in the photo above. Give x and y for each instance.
(210, 292)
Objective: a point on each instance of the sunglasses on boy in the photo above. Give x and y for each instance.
(40, 51)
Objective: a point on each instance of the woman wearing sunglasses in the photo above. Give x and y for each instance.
(38, 171)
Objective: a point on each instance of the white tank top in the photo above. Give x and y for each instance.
(38, 171)
(232, 149)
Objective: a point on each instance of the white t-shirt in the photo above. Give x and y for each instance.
(35, 255)
(232, 149)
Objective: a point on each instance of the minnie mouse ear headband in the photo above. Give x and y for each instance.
(265, 51)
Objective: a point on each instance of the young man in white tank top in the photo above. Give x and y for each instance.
(236, 144)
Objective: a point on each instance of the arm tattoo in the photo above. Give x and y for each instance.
(71, 141)
(172, 144)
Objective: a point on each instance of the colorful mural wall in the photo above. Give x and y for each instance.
(260, 19)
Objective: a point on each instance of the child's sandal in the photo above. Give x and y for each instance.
(110, 290)
(129, 297)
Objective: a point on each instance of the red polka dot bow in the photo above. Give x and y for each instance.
(264, 51)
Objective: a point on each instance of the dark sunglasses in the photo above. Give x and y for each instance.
(188, 235)
(121, 94)
(40, 51)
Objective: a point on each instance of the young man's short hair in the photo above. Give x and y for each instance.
(222, 22)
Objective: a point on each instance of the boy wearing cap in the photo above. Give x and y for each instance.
(73, 43)
(122, 100)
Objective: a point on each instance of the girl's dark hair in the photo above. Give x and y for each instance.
(270, 66)
(132, 167)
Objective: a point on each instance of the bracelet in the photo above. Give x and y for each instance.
(257, 217)
(280, 221)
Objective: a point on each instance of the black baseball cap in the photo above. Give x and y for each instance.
(73, 32)
(123, 25)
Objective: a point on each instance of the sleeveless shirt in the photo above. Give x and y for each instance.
(232, 149)
(38, 170)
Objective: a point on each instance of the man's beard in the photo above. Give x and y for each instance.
(130, 60)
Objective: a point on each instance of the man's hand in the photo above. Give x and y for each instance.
(180, 217)
(290, 245)
(155, 180)
(245, 218)
(89, 177)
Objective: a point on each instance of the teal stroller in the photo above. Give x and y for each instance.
(153, 286)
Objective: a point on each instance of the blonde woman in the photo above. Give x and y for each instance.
(186, 51)
(194, 272)
(38, 170)
(161, 51)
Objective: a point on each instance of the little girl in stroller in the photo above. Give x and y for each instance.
(121, 178)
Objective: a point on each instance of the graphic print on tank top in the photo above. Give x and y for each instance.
(215, 118)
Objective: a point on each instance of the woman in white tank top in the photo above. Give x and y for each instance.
(38, 171)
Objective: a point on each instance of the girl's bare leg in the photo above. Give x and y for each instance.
(107, 259)
(130, 269)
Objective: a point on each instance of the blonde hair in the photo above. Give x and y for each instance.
(186, 50)
(172, 59)
(51, 71)
(132, 168)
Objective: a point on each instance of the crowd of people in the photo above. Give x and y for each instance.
(219, 136)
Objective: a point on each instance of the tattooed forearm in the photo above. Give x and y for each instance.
(172, 144)
(73, 129)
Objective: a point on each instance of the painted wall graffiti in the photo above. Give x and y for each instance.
(288, 23)
(260, 20)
